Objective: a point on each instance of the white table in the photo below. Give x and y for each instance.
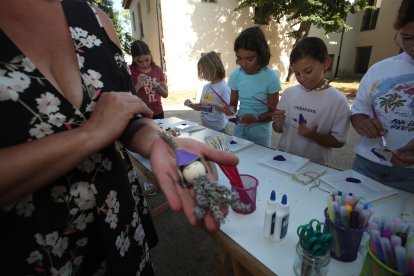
(246, 231)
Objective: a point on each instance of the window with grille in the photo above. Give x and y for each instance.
(369, 19)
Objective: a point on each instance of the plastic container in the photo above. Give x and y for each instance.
(306, 264)
(282, 219)
(345, 242)
(373, 266)
(270, 216)
(250, 184)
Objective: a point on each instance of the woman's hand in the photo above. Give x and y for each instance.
(112, 114)
(163, 165)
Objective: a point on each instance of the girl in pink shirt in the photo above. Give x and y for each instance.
(148, 78)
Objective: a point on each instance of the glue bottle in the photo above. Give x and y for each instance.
(270, 216)
(282, 219)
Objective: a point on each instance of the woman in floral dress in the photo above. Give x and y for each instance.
(70, 201)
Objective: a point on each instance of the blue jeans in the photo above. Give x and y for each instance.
(397, 177)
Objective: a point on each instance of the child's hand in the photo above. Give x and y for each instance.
(247, 119)
(404, 156)
(306, 131)
(155, 83)
(188, 102)
(141, 79)
(228, 110)
(368, 127)
(278, 119)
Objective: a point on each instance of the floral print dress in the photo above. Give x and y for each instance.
(93, 220)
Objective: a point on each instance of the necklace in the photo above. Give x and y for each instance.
(323, 86)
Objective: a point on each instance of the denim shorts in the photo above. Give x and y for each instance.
(260, 133)
(397, 177)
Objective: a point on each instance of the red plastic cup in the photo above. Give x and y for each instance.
(247, 193)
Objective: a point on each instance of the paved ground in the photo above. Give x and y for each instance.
(185, 250)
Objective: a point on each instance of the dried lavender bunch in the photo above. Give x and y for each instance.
(213, 197)
(209, 196)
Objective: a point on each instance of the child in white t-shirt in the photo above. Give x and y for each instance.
(215, 95)
(384, 111)
(313, 116)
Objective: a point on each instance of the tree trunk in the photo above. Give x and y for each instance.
(302, 32)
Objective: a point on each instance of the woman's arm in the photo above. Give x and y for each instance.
(27, 167)
(143, 137)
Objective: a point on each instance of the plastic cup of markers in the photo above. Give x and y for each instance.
(345, 242)
(247, 193)
(373, 266)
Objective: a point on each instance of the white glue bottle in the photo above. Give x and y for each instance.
(270, 216)
(282, 219)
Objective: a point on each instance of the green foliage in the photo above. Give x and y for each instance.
(329, 15)
(117, 19)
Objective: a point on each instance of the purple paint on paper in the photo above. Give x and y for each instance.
(353, 180)
(301, 119)
(185, 157)
(279, 158)
(379, 155)
(232, 142)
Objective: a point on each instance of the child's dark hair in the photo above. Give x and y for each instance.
(210, 67)
(313, 47)
(139, 48)
(405, 14)
(253, 39)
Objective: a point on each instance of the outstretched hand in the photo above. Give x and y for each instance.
(163, 165)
